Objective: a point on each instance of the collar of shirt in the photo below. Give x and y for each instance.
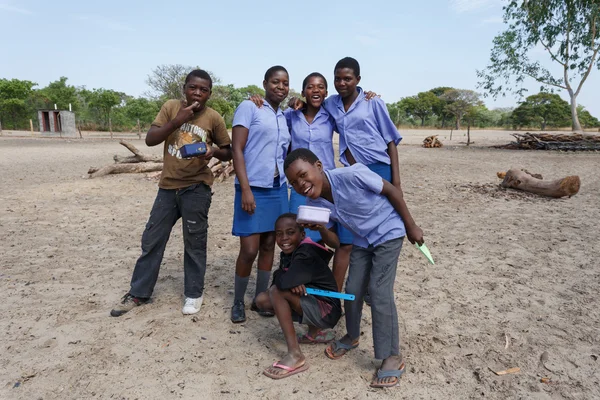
(320, 114)
(340, 103)
(267, 105)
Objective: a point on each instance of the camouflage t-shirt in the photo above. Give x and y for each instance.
(206, 126)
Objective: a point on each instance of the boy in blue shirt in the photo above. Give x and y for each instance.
(375, 212)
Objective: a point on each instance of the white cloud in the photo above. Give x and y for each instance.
(8, 7)
(461, 6)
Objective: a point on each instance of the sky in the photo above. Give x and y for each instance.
(404, 47)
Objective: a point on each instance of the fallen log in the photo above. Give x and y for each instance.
(523, 180)
(125, 169)
(140, 163)
(547, 141)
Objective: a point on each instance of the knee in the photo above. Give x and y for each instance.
(263, 301)
(248, 253)
(267, 244)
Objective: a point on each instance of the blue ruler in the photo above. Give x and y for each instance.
(327, 293)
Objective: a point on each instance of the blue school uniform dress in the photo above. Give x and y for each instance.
(316, 136)
(266, 149)
(365, 129)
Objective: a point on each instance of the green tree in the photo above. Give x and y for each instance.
(586, 119)
(422, 105)
(439, 107)
(568, 30)
(459, 102)
(543, 109)
(104, 100)
(14, 94)
(141, 109)
(61, 94)
(166, 81)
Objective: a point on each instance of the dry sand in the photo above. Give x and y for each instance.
(516, 277)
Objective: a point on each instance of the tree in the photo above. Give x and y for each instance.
(14, 94)
(104, 100)
(439, 106)
(61, 94)
(141, 109)
(586, 119)
(166, 81)
(568, 30)
(460, 102)
(421, 105)
(543, 109)
(472, 114)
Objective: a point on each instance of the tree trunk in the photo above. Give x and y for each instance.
(423, 121)
(457, 125)
(574, 116)
(543, 124)
(468, 133)
(517, 179)
(124, 168)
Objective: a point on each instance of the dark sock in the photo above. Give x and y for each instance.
(262, 281)
(240, 285)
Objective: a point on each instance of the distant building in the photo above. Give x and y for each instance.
(57, 123)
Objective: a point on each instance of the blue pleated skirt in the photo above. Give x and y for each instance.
(270, 204)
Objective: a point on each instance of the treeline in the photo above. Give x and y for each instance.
(103, 109)
(446, 107)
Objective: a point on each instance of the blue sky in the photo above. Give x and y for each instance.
(404, 47)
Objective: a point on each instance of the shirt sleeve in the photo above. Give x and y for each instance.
(166, 113)
(367, 179)
(386, 125)
(299, 273)
(244, 114)
(220, 136)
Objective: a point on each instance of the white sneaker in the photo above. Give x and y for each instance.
(192, 306)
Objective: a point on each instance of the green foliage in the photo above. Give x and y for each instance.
(460, 102)
(421, 106)
(103, 100)
(14, 96)
(586, 119)
(569, 31)
(542, 109)
(61, 94)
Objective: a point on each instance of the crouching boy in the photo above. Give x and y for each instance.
(303, 264)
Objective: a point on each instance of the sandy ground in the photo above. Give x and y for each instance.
(516, 280)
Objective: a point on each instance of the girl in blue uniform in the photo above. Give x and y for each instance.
(260, 142)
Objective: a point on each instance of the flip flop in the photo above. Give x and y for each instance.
(319, 338)
(339, 346)
(394, 373)
(290, 370)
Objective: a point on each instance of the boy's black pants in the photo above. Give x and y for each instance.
(191, 204)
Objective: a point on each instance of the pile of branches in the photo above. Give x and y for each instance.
(140, 162)
(432, 141)
(547, 141)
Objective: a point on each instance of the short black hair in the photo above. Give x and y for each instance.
(198, 73)
(350, 63)
(273, 70)
(290, 216)
(300, 154)
(312, 75)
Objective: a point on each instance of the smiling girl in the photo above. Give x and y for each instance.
(260, 143)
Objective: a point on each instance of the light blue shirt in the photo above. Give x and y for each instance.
(360, 207)
(366, 128)
(267, 145)
(316, 136)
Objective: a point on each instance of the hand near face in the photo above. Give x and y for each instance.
(186, 114)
